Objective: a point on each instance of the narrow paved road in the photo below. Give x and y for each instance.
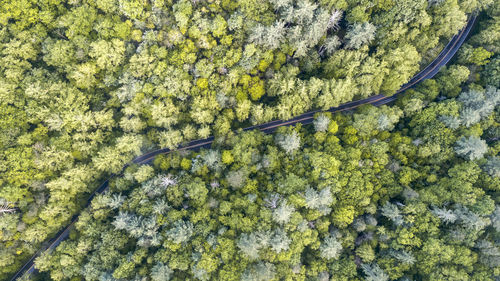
(428, 72)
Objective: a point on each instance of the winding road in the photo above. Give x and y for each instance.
(428, 72)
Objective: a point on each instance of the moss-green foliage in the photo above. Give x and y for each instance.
(86, 85)
(380, 204)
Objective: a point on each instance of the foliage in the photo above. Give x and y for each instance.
(330, 248)
(161, 272)
(86, 86)
(374, 273)
(360, 34)
(289, 142)
(471, 148)
(354, 202)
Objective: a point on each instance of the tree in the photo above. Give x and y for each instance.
(334, 20)
(196, 191)
(5, 207)
(402, 62)
(58, 52)
(391, 211)
(359, 224)
(371, 118)
(492, 166)
(472, 99)
(451, 122)
(248, 245)
(78, 22)
(160, 207)
(164, 113)
(236, 179)
(360, 34)
(304, 12)
(490, 254)
(170, 139)
(108, 54)
(113, 158)
(313, 200)
(330, 45)
(321, 123)
(478, 56)
(330, 248)
(262, 271)
(258, 34)
(155, 186)
(283, 213)
(451, 79)
(161, 272)
(116, 201)
(403, 256)
(281, 4)
(274, 35)
(319, 200)
(495, 219)
(180, 232)
(469, 116)
(478, 104)
(279, 241)
(492, 99)
(122, 220)
(471, 148)
(471, 220)
(143, 173)
(84, 75)
(447, 216)
(289, 142)
(323, 276)
(374, 273)
(316, 29)
(491, 72)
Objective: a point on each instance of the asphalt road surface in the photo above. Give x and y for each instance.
(428, 72)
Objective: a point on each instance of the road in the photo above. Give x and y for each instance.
(428, 72)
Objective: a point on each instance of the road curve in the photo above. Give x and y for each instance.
(428, 72)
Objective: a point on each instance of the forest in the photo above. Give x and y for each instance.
(348, 195)
(407, 191)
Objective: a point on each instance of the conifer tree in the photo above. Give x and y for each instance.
(471, 148)
(282, 214)
(330, 248)
(360, 34)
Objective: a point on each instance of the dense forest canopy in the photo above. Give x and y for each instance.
(348, 198)
(86, 85)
